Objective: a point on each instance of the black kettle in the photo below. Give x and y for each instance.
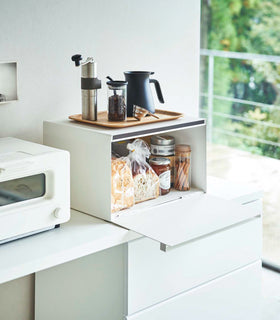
(139, 91)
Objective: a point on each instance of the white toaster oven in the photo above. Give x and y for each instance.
(34, 188)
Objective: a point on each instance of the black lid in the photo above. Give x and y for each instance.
(116, 83)
(139, 72)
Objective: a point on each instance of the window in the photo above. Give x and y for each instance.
(240, 97)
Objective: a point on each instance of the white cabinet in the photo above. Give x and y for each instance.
(206, 241)
(187, 282)
(89, 288)
(138, 280)
(155, 276)
(235, 296)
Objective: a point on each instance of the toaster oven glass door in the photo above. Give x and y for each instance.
(22, 189)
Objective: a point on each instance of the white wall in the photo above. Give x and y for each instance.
(157, 35)
(42, 35)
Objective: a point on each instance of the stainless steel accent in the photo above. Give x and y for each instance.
(139, 113)
(89, 97)
(89, 104)
(89, 85)
(159, 161)
(162, 145)
(89, 68)
(163, 140)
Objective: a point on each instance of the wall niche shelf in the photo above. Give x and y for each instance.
(8, 81)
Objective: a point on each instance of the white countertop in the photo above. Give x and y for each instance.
(81, 236)
(84, 235)
(239, 193)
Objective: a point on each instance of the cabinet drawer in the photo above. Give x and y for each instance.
(154, 276)
(232, 297)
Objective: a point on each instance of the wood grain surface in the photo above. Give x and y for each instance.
(102, 119)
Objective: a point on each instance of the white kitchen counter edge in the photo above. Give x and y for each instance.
(81, 236)
(84, 235)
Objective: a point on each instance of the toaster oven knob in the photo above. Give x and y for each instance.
(57, 213)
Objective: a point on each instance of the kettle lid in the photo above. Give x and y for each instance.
(139, 72)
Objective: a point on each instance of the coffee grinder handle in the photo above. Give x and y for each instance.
(76, 58)
(158, 90)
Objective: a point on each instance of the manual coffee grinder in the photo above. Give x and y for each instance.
(89, 85)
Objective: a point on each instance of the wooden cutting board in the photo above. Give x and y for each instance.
(102, 119)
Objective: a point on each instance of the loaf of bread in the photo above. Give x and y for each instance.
(122, 185)
(146, 183)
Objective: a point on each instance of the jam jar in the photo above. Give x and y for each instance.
(161, 166)
(164, 146)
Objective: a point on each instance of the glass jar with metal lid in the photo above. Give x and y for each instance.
(161, 166)
(164, 146)
(182, 167)
(117, 100)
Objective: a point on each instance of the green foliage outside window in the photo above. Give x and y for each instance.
(244, 26)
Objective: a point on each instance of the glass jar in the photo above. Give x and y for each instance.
(117, 100)
(164, 146)
(182, 167)
(161, 166)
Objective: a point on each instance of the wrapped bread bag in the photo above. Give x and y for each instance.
(122, 184)
(146, 181)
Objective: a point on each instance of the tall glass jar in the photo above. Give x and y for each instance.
(117, 100)
(182, 167)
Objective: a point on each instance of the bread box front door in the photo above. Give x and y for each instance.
(185, 219)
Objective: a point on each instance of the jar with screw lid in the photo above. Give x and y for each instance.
(164, 146)
(161, 166)
(117, 100)
(182, 167)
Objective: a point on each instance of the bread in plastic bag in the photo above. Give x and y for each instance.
(146, 181)
(122, 185)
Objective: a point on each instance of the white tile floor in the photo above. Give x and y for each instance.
(271, 295)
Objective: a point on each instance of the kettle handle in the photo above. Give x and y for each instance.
(158, 90)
